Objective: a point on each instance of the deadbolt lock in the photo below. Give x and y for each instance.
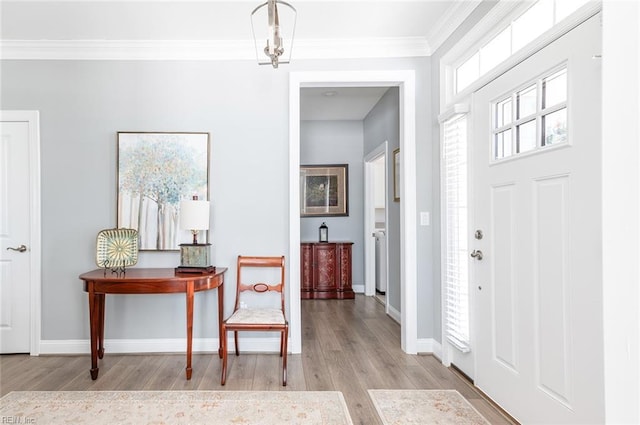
(478, 235)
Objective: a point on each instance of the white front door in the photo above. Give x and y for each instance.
(16, 133)
(537, 200)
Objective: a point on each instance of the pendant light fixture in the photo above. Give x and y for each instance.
(278, 33)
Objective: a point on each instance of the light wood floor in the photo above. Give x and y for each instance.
(348, 346)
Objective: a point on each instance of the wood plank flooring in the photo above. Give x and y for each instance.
(348, 345)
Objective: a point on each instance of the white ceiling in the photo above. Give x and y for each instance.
(221, 29)
(338, 103)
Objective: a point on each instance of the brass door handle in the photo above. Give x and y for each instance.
(21, 248)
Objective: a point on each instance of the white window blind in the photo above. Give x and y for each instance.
(456, 273)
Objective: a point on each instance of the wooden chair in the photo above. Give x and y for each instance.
(257, 319)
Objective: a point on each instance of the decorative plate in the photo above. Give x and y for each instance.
(117, 248)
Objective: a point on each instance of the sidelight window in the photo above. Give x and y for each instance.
(456, 257)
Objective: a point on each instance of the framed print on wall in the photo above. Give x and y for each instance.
(324, 190)
(396, 175)
(155, 172)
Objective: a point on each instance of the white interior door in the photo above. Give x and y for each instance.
(16, 189)
(538, 287)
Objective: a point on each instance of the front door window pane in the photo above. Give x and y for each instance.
(555, 127)
(527, 136)
(555, 89)
(503, 145)
(504, 113)
(527, 102)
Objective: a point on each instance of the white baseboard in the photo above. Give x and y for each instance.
(431, 346)
(394, 314)
(168, 345)
(358, 289)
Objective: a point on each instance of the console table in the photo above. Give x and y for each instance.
(98, 283)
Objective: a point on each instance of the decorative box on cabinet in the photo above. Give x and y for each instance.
(325, 270)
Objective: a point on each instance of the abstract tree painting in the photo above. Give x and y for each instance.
(155, 172)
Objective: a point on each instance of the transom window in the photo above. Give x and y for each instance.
(537, 19)
(531, 118)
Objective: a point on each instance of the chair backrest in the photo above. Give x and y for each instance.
(259, 287)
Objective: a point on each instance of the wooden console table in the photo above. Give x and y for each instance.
(98, 283)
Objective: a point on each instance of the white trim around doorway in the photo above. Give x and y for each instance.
(405, 81)
(35, 244)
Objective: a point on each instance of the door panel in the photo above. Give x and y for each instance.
(538, 315)
(551, 233)
(14, 232)
(504, 318)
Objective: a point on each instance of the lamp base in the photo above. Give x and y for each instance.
(195, 255)
(198, 270)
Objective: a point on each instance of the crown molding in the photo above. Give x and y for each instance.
(207, 49)
(450, 21)
(362, 48)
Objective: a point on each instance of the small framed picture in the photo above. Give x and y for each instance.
(324, 190)
(396, 175)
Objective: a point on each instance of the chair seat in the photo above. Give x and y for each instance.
(247, 316)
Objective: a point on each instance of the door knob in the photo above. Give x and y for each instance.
(477, 254)
(21, 248)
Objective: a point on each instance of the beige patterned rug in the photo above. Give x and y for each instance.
(404, 407)
(175, 407)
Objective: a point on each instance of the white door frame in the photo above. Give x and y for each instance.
(35, 245)
(405, 81)
(370, 219)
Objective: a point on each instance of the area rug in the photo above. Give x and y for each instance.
(404, 407)
(175, 407)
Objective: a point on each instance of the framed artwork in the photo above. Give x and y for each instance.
(155, 172)
(396, 175)
(324, 190)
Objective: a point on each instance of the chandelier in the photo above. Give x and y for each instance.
(278, 33)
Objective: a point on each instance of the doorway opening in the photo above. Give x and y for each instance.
(377, 224)
(405, 81)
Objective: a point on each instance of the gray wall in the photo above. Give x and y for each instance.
(380, 125)
(83, 104)
(337, 142)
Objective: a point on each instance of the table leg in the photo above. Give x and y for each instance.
(220, 316)
(101, 301)
(190, 290)
(93, 325)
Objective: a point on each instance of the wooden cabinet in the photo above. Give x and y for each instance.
(325, 270)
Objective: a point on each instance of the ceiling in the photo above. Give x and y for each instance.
(427, 21)
(338, 103)
(221, 29)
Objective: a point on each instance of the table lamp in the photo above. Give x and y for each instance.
(194, 257)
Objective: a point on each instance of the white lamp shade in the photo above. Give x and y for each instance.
(194, 215)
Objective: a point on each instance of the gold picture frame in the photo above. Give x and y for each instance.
(324, 190)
